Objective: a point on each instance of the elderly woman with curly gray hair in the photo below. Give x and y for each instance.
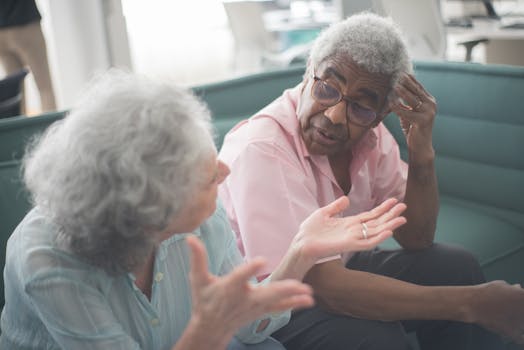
(128, 248)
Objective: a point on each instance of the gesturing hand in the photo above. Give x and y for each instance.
(322, 234)
(222, 305)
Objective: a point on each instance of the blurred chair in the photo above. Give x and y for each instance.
(11, 93)
(255, 46)
(423, 26)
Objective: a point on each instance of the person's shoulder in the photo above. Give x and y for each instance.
(270, 124)
(32, 252)
(261, 127)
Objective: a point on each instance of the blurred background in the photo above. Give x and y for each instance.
(201, 41)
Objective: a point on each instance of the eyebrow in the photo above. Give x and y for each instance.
(333, 72)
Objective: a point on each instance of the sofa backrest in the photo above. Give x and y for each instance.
(15, 132)
(232, 100)
(478, 133)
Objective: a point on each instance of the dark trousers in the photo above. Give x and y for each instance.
(316, 329)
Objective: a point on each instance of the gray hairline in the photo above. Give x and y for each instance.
(328, 45)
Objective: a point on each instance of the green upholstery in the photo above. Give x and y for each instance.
(15, 132)
(14, 204)
(236, 99)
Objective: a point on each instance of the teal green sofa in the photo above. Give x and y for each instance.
(478, 137)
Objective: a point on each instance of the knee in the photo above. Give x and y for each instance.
(458, 265)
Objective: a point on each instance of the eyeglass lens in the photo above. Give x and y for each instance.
(327, 95)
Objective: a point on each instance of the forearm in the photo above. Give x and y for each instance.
(294, 265)
(422, 200)
(364, 295)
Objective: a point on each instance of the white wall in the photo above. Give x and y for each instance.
(79, 45)
(186, 41)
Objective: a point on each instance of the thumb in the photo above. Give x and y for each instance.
(336, 206)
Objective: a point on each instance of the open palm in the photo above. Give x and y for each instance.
(323, 234)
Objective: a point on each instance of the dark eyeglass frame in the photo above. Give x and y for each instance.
(349, 103)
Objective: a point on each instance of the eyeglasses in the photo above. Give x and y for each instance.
(328, 96)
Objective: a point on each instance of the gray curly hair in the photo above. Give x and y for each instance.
(119, 166)
(373, 42)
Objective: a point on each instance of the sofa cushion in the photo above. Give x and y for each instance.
(496, 242)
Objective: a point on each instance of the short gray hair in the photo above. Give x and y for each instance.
(373, 42)
(119, 166)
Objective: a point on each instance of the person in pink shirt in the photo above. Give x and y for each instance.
(324, 139)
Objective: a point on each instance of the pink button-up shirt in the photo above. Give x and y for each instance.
(275, 183)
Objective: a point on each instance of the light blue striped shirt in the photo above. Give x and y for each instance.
(56, 301)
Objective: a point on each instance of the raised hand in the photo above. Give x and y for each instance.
(416, 109)
(221, 305)
(323, 234)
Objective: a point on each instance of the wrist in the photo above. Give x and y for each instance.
(467, 308)
(200, 334)
(296, 263)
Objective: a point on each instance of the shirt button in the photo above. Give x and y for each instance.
(155, 322)
(159, 276)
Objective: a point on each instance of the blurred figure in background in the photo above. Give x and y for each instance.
(22, 44)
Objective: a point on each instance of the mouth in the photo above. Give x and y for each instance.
(325, 138)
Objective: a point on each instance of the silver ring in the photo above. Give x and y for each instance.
(419, 103)
(364, 230)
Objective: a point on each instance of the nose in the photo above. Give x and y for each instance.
(223, 171)
(337, 113)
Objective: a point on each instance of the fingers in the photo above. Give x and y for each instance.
(373, 241)
(336, 206)
(394, 212)
(390, 225)
(413, 99)
(282, 295)
(294, 302)
(381, 209)
(407, 101)
(199, 273)
(241, 274)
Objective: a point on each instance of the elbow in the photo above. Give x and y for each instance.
(416, 240)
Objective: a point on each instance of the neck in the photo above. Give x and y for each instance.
(340, 167)
(144, 275)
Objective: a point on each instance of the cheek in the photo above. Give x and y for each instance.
(356, 133)
(306, 112)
